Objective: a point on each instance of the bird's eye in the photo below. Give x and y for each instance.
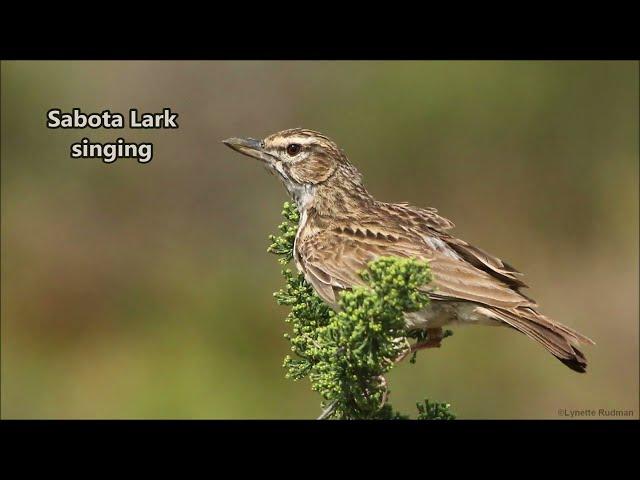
(293, 149)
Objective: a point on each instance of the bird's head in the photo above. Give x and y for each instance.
(304, 160)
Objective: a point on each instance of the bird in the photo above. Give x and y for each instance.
(343, 227)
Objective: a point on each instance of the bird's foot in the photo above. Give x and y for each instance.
(433, 339)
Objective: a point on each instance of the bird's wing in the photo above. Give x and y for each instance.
(485, 261)
(430, 224)
(458, 279)
(333, 259)
(333, 262)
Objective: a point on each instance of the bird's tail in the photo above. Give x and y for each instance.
(559, 340)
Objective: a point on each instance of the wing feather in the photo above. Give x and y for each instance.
(334, 260)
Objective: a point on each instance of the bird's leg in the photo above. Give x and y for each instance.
(434, 340)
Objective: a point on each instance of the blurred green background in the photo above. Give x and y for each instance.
(145, 291)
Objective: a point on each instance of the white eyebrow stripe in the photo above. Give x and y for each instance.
(284, 141)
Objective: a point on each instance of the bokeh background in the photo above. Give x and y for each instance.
(145, 291)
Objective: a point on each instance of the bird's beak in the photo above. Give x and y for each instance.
(250, 147)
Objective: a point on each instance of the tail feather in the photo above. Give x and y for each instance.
(559, 340)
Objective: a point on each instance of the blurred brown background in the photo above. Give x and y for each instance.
(145, 291)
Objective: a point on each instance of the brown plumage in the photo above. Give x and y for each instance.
(343, 228)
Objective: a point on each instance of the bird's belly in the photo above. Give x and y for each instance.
(440, 314)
